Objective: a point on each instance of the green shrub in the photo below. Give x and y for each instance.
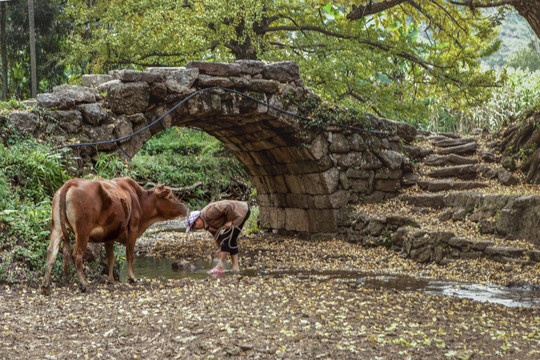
(252, 224)
(526, 58)
(34, 168)
(519, 93)
(198, 158)
(109, 166)
(29, 175)
(11, 104)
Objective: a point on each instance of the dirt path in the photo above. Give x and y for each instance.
(288, 317)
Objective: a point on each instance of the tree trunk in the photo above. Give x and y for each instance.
(530, 10)
(32, 29)
(3, 47)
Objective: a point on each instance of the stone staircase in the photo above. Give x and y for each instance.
(457, 203)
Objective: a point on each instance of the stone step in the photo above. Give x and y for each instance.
(468, 148)
(468, 171)
(450, 159)
(446, 143)
(450, 135)
(435, 201)
(415, 152)
(408, 234)
(441, 247)
(448, 184)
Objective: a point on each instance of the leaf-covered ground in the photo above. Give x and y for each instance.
(264, 317)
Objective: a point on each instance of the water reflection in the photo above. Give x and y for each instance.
(154, 268)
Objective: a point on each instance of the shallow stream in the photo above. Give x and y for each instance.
(154, 268)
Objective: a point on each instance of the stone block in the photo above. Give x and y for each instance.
(80, 94)
(391, 159)
(295, 183)
(69, 120)
(129, 98)
(25, 121)
(94, 80)
(319, 147)
(216, 68)
(387, 185)
(302, 201)
(296, 220)
(459, 242)
(338, 143)
(322, 220)
(285, 71)
(316, 184)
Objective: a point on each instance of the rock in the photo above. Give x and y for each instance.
(453, 142)
(94, 80)
(80, 94)
(25, 121)
(56, 100)
(461, 149)
(215, 68)
(459, 171)
(487, 156)
(93, 114)
(284, 71)
(508, 163)
(129, 98)
(185, 265)
(506, 178)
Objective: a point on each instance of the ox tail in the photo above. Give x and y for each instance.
(62, 210)
(58, 219)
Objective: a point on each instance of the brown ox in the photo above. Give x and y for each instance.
(105, 211)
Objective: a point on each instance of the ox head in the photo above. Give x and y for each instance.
(167, 204)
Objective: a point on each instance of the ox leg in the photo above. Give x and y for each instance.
(80, 247)
(129, 257)
(66, 257)
(52, 251)
(109, 249)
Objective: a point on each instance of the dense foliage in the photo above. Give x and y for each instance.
(527, 58)
(390, 62)
(29, 175)
(519, 94)
(51, 45)
(183, 157)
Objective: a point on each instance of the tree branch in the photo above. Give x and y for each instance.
(359, 12)
(359, 97)
(377, 45)
(472, 5)
(175, 190)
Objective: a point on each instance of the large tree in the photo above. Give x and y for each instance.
(392, 57)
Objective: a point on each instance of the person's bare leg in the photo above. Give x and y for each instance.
(234, 259)
(221, 260)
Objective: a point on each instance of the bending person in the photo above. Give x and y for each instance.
(224, 220)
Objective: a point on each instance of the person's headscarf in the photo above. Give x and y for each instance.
(190, 220)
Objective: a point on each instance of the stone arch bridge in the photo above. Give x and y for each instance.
(306, 176)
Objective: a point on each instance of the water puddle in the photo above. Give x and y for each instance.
(154, 268)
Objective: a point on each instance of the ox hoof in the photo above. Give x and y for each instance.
(83, 288)
(132, 280)
(45, 290)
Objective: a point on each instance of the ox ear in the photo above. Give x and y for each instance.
(162, 191)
